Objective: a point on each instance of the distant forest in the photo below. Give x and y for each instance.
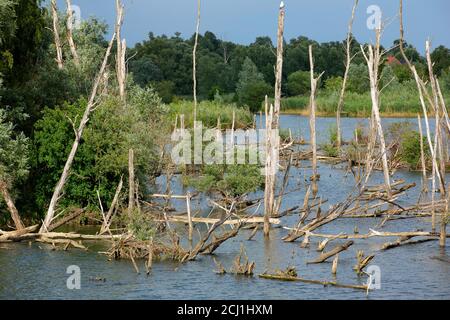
(166, 63)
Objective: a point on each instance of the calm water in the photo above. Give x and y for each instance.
(410, 272)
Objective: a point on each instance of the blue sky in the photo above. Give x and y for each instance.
(243, 20)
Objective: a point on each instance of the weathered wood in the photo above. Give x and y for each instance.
(11, 206)
(6, 235)
(70, 40)
(112, 208)
(194, 60)
(373, 59)
(131, 182)
(348, 62)
(243, 220)
(121, 50)
(326, 255)
(324, 283)
(56, 36)
(66, 219)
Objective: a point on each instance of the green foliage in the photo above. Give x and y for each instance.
(251, 88)
(388, 77)
(299, 83)
(13, 152)
(441, 59)
(230, 180)
(358, 78)
(334, 84)
(103, 153)
(165, 90)
(141, 225)
(330, 148)
(407, 142)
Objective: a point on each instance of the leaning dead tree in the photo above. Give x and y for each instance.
(348, 62)
(312, 120)
(194, 60)
(11, 206)
(272, 126)
(436, 103)
(70, 40)
(373, 59)
(78, 134)
(57, 39)
(121, 51)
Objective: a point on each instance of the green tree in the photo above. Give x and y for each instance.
(299, 83)
(441, 59)
(358, 78)
(13, 164)
(103, 154)
(251, 87)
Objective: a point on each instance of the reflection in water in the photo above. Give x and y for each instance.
(418, 271)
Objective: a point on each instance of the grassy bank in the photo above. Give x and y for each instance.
(401, 103)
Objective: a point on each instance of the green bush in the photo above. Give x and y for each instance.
(102, 156)
(299, 83)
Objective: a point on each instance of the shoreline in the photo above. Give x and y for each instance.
(322, 114)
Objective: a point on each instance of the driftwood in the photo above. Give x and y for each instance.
(362, 262)
(399, 242)
(6, 235)
(66, 219)
(326, 255)
(324, 283)
(11, 206)
(244, 220)
(218, 240)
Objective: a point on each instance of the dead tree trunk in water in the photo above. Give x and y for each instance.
(131, 182)
(11, 206)
(272, 126)
(344, 82)
(279, 67)
(194, 60)
(78, 133)
(57, 39)
(422, 158)
(269, 191)
(373, 60)
(72, 46)
(312, 122)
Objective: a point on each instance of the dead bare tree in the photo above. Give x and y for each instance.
(194, 59)
(72, 46)
(121, 50)
(78, 134)
(312, 120)
(272, 127)
(11, 206)
(373, 59)
(57, 39)
(349, 59)
(131, 182)
(279, 67)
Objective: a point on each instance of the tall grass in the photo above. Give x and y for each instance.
(209, 111)
(401, 99)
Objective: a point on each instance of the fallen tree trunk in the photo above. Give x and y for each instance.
(5, 235)
(326, 255)
(324, 283)
(11, 206)
(66, 219)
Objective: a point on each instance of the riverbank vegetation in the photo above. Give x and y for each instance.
(82, 137)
